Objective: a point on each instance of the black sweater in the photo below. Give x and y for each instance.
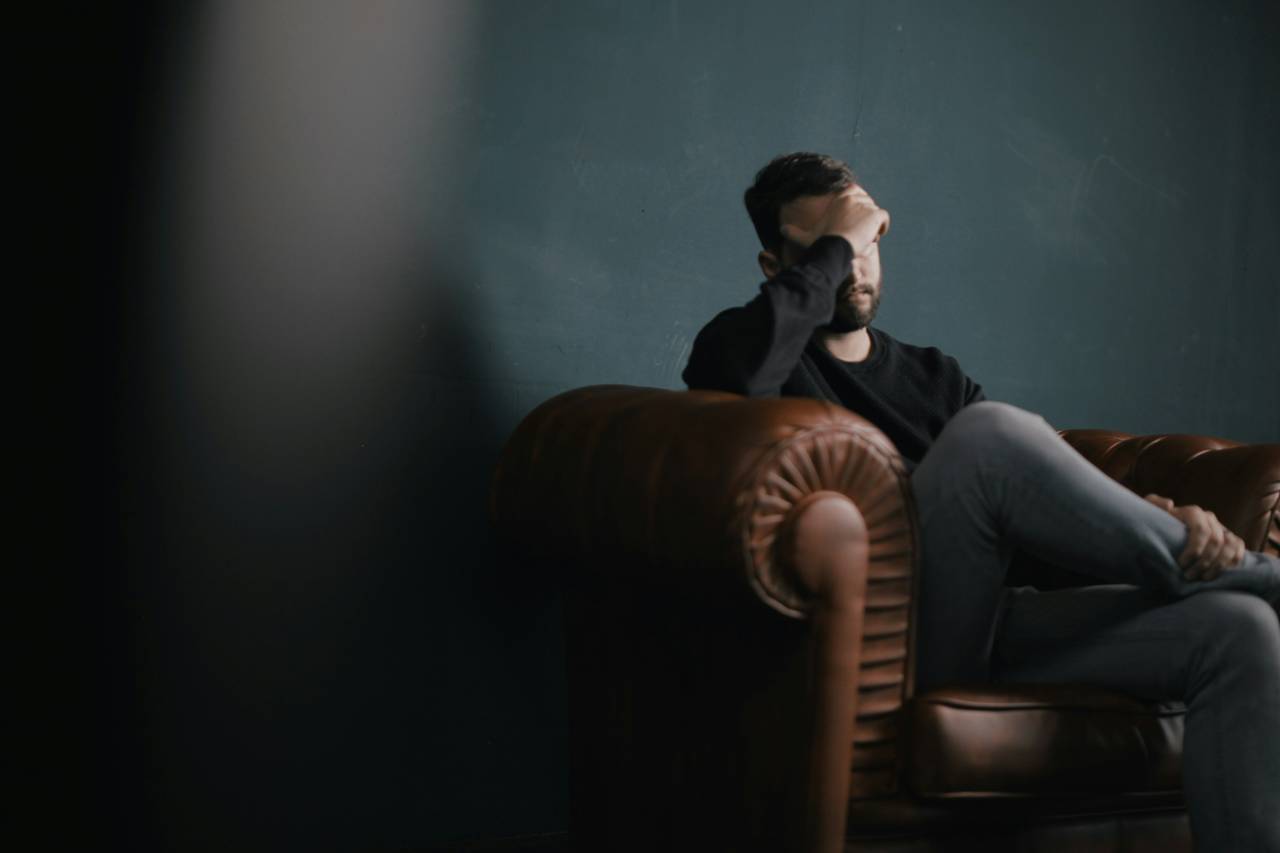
(767, 348)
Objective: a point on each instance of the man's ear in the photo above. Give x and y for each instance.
(769, 263)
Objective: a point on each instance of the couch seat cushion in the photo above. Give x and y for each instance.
(1005, 741)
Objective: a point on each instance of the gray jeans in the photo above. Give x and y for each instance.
(1000, 479)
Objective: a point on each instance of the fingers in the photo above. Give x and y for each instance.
(854, 215)
(855, 191)
(797, 235)
(1231, 554)
(1210, 548)
(1197, 539)
(1206, 565)
(847, 200)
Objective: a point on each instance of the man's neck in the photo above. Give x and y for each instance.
(848, 346)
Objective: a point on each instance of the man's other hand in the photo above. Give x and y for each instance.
(852, 214)
(1211, 548)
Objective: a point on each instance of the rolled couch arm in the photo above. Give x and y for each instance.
(701, 480)
(679, 513)
(1239, 483)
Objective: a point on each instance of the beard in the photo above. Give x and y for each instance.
(849, 315)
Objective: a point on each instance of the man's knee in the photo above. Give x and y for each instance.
(1237, 629)
(991, 417)
(986, 427)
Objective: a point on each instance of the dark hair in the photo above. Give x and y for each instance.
(787, 177)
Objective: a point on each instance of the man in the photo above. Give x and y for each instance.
(1189, 612)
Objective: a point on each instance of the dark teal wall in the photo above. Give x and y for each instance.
(351, 248)
(1083, 194)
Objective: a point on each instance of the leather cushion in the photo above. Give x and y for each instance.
(1005, 741)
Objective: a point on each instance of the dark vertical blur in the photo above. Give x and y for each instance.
(292, 439)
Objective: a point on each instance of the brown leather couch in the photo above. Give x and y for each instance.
(740, 583)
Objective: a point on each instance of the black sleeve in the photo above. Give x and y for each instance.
(973, 392)
(967, 391)
(752, 350)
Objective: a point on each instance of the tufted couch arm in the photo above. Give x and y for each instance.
(705, 481)
(739, 602)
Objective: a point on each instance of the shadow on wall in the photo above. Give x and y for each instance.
(326, 650)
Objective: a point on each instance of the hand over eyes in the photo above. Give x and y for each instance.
(852, 214)
(1211, 548)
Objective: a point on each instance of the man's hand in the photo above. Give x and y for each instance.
(852, 214)
(1211, 548)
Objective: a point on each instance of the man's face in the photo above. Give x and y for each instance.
(858, 297)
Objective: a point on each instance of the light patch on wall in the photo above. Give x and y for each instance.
(298, 243)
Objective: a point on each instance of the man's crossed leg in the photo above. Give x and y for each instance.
(998, 479)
